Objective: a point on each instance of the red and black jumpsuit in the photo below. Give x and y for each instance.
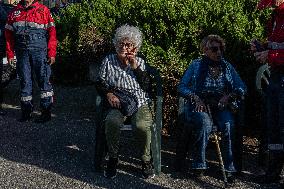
(30, 33)
(275, 89)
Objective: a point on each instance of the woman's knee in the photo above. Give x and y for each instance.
(143, 119)
(114, 119)
(201, 120)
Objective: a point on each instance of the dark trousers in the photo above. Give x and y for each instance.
(275, 123)
(2, 55)
(33, 62)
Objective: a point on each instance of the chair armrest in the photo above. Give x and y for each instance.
(262, 74)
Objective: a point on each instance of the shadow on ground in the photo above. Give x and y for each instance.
(60, 153)
(64, 146)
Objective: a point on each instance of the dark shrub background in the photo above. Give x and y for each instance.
(172, 31)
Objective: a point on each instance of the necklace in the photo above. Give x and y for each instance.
(214, 72)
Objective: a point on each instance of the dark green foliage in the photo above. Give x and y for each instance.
(172, 31)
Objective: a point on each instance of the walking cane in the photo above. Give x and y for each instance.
(216, 140)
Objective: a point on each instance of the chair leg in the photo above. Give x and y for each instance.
(238, 148)
(156, 149)
(100, 148)
(182, 149)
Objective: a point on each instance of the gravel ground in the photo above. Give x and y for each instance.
(59, 154)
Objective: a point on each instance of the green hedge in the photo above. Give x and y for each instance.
(172, 31)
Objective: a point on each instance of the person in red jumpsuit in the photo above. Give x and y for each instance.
(30, 33)
(4, 11)
(273, 54)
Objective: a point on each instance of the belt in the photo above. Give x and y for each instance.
(275, 45)
(30, 37)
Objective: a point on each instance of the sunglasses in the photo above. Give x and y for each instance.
(215, 49)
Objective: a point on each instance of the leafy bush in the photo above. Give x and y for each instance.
(173, 30)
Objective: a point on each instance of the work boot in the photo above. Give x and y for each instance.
(180, 165)
(2, 112)
(147, 170)
(44, 117)
(26, 116)
(230, 177)
(110, 171)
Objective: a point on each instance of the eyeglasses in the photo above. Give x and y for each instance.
(127, 45)
(216, 48)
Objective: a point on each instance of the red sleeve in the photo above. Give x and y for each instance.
(9, 35)
(264, 4)
(276, 57)
(52, 41)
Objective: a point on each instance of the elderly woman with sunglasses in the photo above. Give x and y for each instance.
(124, 70)
(209, 85)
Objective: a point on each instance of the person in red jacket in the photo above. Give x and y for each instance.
(30, 33)
(4, 11)
(273, 54)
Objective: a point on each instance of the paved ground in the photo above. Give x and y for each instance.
(59, 154)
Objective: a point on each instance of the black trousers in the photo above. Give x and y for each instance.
(2, 55)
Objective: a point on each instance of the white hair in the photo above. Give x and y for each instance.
(131, 33)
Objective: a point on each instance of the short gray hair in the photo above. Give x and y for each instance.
(208, 40)
(132, 33)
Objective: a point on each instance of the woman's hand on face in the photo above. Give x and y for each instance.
(131, 56)
(113, 100)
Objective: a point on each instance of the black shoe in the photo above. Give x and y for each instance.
(44, 117)
(110, 171)
(197, 173)
(179, 165)
(230, 177)
(147, 170)
(25, 117)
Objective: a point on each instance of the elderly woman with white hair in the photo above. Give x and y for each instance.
(121, 75)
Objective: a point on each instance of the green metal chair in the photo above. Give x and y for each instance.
(261, 82)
